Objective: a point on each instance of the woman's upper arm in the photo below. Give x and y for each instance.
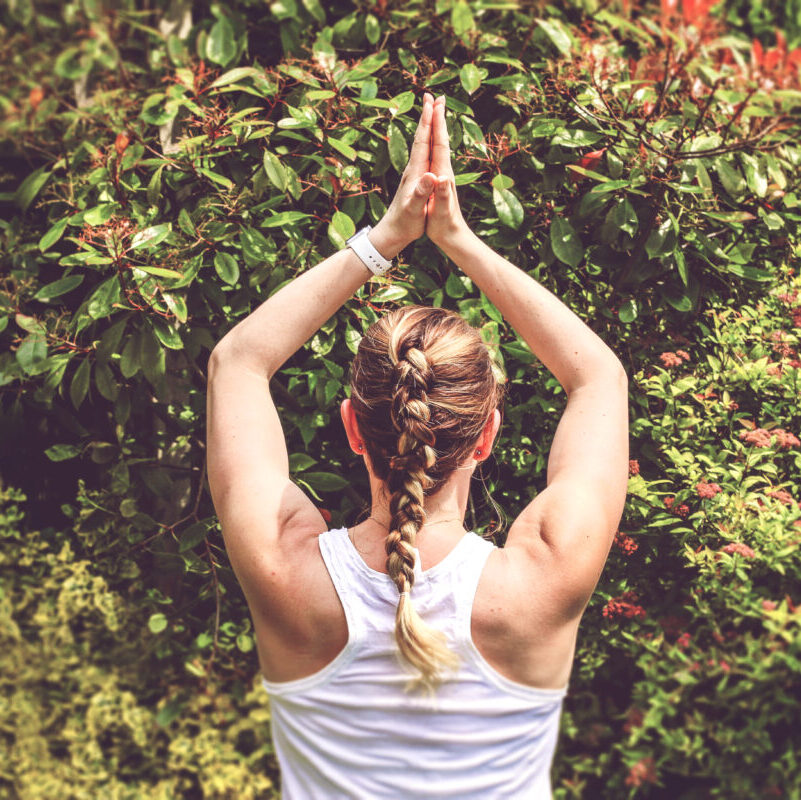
(572, 522)
(248, 465)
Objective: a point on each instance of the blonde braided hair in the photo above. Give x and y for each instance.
(423, 385)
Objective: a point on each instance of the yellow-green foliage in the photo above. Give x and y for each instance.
(75, 715)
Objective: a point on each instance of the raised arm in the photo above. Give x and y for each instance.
(570, 525)
(261, 510)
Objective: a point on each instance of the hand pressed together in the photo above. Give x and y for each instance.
(425, 201)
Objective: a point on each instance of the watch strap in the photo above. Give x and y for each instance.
(365, 249)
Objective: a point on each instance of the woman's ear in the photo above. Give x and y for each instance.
(488, 435)
(351, 427)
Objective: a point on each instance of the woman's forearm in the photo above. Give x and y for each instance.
(560, 339)
(284, 322)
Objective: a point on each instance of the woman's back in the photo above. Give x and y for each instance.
(350, 730)
(423, 410)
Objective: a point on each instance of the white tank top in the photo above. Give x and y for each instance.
(350, 730)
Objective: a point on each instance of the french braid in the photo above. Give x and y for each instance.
(422, 378)
(424, 647)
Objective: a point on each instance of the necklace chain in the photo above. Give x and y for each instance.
(427, 524)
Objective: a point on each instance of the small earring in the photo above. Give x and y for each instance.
(360, 446)
(478, 452)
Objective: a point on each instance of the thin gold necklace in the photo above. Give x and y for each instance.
(426, 524)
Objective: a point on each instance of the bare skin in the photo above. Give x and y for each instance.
(533, 591)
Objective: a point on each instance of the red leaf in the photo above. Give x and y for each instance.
(590, 160)
(757, 53)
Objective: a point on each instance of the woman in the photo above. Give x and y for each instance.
(344, 618)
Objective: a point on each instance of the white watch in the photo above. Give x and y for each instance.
(367, 252)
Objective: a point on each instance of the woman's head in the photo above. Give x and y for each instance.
(423, 387)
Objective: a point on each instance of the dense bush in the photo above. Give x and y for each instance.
(167, 170)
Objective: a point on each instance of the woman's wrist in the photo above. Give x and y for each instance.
(457, 240)
(386, 241)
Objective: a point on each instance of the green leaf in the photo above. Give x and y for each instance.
(556, 34)
(154, 187)
(576, 137)
(193, 536)
(130, 358)
(462, 18)
(176, 304)
(161, 272)
(256, 248)
(30, 187)
(166, 334)
(32, 353)
(233, 75)
(398, 150)
(343, 224)
(57, 288)
(80, 382)
(157, 622)
(300, 461)
(565, 242)
(101, 301)
(730, 178)
(343, 148)
(150, 237)
(466, 177)
(216, 177)
(275, 170)
(220, 45)
(755, 175)
(52, 235)
(62, 452)
(510, 211)
(454, 286)
(245, 642)
(325, 481)
(185, 222)
(389, 294)
(372, 28)
(470, 78)
(628, 310)
(227, 267)
(104, 381)
(283, 218)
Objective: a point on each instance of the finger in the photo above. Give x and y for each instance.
(425, 186)
(441, 155)
(418, 160)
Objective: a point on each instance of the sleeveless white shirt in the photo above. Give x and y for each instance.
(351, 731)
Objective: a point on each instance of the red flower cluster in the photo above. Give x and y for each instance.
(634, 467)
(768, 605)
(624, 606)
(670, 359)
(683, 640)
(625, 543)
(739, 548)
(775, 68)
(785, 349)
(681, 510)
(642, 772)
(759, 437)
(706, 490)
(782, 496)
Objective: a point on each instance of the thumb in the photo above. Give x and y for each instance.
(443, 184)
(425, 185)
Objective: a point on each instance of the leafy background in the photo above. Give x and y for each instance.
(166, 166)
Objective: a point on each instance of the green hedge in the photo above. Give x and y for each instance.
(164, 174)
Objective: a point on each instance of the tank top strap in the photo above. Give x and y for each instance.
(344, 572)
(475, 551)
